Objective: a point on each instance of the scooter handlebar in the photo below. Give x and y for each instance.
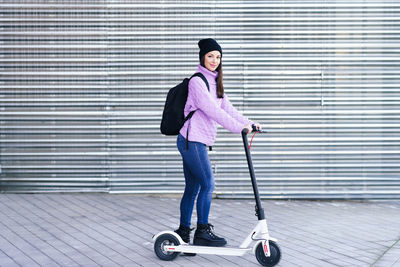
(255, 129)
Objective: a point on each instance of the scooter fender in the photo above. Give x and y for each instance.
(171, 233)
(261, 241)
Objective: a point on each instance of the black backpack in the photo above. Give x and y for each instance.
(173, 117)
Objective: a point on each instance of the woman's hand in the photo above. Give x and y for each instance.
(258, 126)
(248, 127)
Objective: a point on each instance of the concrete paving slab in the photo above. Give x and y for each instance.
(116, 230)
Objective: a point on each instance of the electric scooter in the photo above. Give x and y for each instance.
(168, 244)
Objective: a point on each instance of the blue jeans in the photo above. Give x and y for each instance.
(199, 181)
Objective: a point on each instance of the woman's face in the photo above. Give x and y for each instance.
(212, 60)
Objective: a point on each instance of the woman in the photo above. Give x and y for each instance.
(212, 108)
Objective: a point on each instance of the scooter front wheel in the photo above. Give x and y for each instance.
(273, 259)
(161, 242)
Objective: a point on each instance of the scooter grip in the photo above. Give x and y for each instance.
(256, 129)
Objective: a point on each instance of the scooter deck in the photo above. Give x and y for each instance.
(229, 251)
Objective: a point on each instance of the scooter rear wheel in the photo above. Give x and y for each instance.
(165, 240)
(271, 260)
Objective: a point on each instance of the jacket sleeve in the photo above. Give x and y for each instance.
(233, 112)
(203, 101)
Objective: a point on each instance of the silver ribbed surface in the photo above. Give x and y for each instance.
(83, 83)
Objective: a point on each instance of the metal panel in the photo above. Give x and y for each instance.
(83, 83)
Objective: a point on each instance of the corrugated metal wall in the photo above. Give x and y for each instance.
(83, 85)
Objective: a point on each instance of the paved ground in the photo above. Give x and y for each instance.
(116, 230)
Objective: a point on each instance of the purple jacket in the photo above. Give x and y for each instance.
(210, 110)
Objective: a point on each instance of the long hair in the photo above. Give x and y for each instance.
(220, 78)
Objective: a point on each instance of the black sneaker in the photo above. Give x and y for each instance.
(204, 236)
(184, 233)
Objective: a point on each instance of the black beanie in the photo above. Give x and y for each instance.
(207, 45)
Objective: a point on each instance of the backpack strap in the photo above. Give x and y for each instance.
(199, 74)
(189, 116)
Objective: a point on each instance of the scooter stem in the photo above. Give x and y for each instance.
(259, 210)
